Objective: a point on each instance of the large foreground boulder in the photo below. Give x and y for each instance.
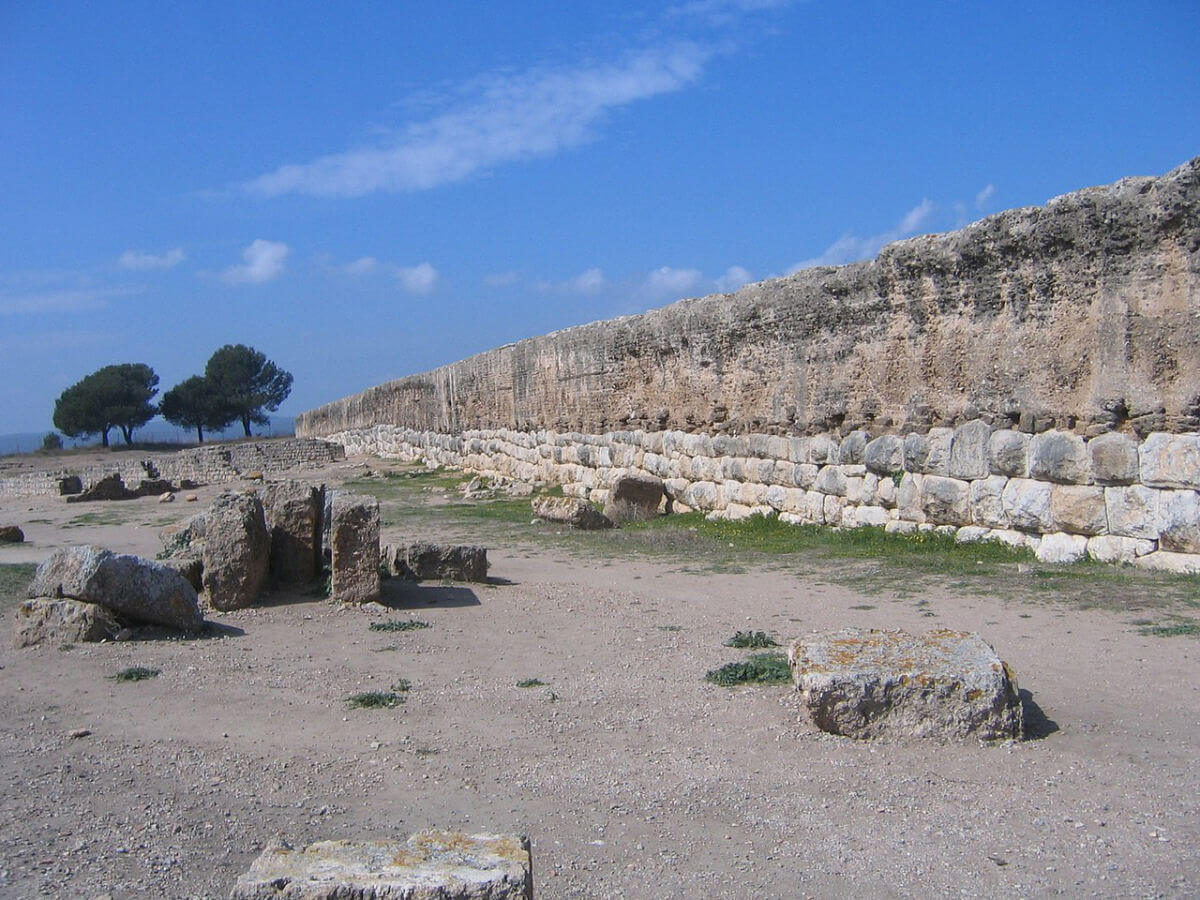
(354, 541)
(237, 550)
(634, 498)
(433, 865)
(58, 621)
(570, 511)
(136, 589)
(942, 684)
(294, 511)
(425, 560)
(11, 534)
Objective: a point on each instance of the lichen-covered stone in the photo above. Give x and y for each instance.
(1061, 457)
(1009, 453)
(432, 865)
(1114, 459)
(421, 559)
(293, 513)
(869, 684)
(1027, 504)
(1078, 509)
(1179, 521)
(928, 454)
(946, 500)
(885, 455)
(987, 502)
(1133, 511)
(354, 541)
(970, 450)
(237, 551)
(1171, 461)
(59, 620)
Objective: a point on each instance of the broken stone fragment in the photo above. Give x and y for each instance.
(294, 511)
(432, 865)
(634, 498)
(236, 551)
(354, 542)
(947, 685)
(571, 511)
(11, 534)
(425, 560)
(59, 620)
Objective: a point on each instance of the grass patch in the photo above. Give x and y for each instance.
(374, 700)
(751, 639)
(670, 628)
(398, 625)
(100, 517)
(402, 686)
(1175, 629)
(531, 682)
(758, 668)
(135, 673)
(14, 579)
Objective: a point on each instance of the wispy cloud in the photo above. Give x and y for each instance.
(666, 283)
(734, 278)
(365, 265)
(58, 301)
(419, 279)
(982, 198)
(850, 248)
(721, 12)
(138, 260)
(586, 283)
(264, 261)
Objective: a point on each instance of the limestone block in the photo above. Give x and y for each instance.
(702, 495)
(884, 455)
(237, 549)
(1078, 509)
(908, 497)
(1133, 511)
(433, 865)
(1166, 561)
(833, 510)
(634, 498)
(1018, 540)
(1109, 548)
(853, 470)
(792, 518)
(737, 512)
(1179, 518)
(781, 473)
(575, 512)
(987, 501)
(928, 454)
(1062, 548)
(830, 480)
(1061, 457)
(970, 450)
(697, 445)
(944, 685)
(900, 526)
(822, 449)
(853, 448)
(804, 475)
(731, 492)
(421, 560)
(59, 620)
(728, 445)
(798, 450)
(1171, 460)
(870, 487)
(970, 533)
(854, 490)
(1114, 458)
(1027, 505)
(872, 515)
(849, 516)
(752, 494)
(775, 497)
(885, 493)
(354, 541)
(293, 513)
(794, 500)
(946, 500)
(776, 447)
(1009, 453)
(815, 507)
(675, 488)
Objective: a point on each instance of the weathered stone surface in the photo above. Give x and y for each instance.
(184, 538)
(853, 448)
(190, 567)
(11, 534)
(987, 502)
(237, 551)
(1109, 548)
(909, 497)
(140, 590)
(1171, 461)
(946, 500)
(293, 513)
(1078, 509)
(1166, 561)
(421, 559)
(354, 541)
(830, 480)
(433, 865)
(1009, 453)
(885, 455)
(1179, 518)
(928, 454)
(1114, 459)
(1061, 457)
(1133, 511)
(58, 620)
(970, 450)
(870, 684)
(1027, 504)
(582, 515)
(1062, 548)
(70, 484)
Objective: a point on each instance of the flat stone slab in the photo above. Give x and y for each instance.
(943, 684)
(421, 559)
(432, 865)
(570, 511)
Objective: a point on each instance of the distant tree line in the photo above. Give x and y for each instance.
(239, 384)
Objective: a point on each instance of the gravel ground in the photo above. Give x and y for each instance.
(632, 775)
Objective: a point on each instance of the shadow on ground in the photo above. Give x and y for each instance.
(1038, 725)
(400, 594)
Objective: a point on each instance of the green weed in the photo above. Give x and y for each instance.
(135, 673)
(751, 639)
(398, 625)
(374, 700)
(531, 682)
(758, 668)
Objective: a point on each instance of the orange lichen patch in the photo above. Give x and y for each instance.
(406, 858)
(509, 848)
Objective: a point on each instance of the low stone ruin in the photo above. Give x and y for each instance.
(421, 560)
(570, 511)
(87, 593)
(634, 498)
(432, 865)
(354, 546)
(944, 684)
(11, 534)
(294, 513)
(112, 487)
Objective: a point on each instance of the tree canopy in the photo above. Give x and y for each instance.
(195, 403)
(248, 383)
(112, 397)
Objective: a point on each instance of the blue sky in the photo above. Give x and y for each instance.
(366, 190)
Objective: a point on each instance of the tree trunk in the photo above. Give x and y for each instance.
(104, 437)
(246, 425)
(127, 433)
(200, 433)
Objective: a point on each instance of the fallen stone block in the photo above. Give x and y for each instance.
(1166, 561)
(944, 684)
(421, 560)
(140, 590)
(354, 542)
(11, 534)
(634, 498)
(294, 511)
(70, 484)
(59, 620)
(433, 865)
(573, 511)
(236, 551)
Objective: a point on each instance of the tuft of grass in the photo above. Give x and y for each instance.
(398, 625)
(751, 639)
(758, 668)
(402, 686)
(135, 673)
(670, 628)
(374, 700)
(531, 682)
(14, 578)
(1178, 629)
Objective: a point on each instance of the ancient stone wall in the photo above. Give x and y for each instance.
(211, 464)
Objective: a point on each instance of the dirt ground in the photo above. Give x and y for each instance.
(632, 775)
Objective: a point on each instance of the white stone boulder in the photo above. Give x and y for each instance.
(1171, 460)
(1114, 458)
(1027, 504)
(1061, 457)
(1009, 453)
(1062, 548)
(970, 450)
(1133, 511)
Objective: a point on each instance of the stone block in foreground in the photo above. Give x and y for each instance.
(942, 684)
(570, 511)
(421, 559)
(433, 865)
(354, 539)
(58, 620)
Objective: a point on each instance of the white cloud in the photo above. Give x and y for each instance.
(721, 12)
(418, 279)
(362, 266)
(264, 262)
(849, 248)
(590, 281)
(507, 118)
(734, 278)
(982, 198)
(669, 283)
(60, 301)
(501, 279)
(136, 259)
